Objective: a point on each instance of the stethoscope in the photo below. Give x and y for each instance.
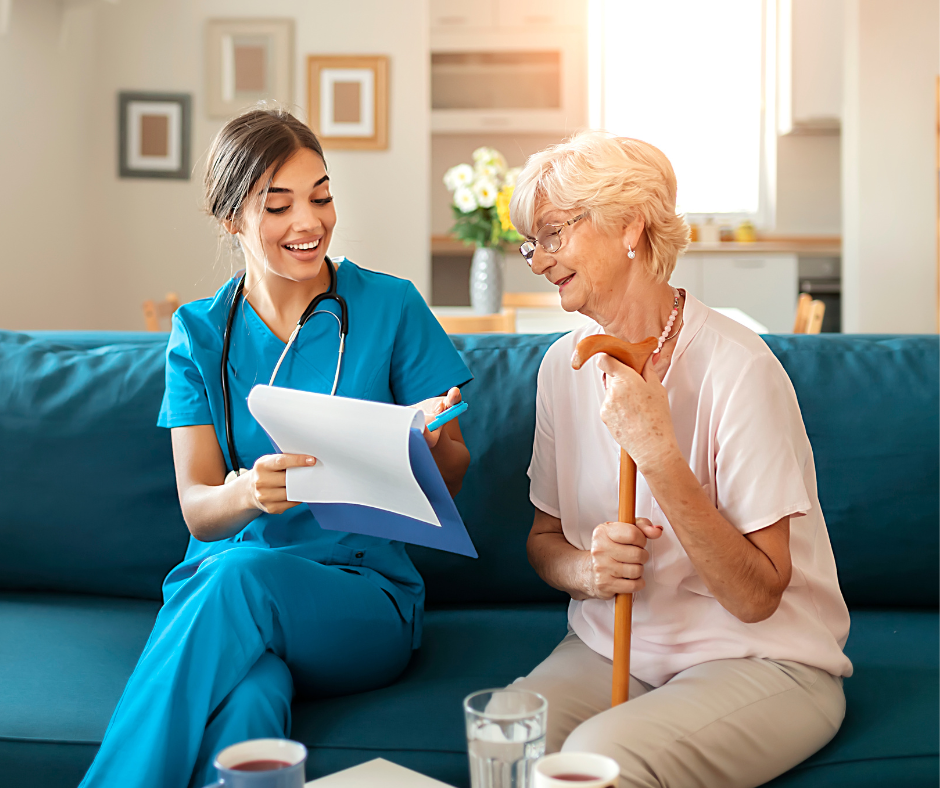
(310, 311)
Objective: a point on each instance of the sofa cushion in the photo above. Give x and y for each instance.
(78, 432)
(494, 500)
(890, 733)
(871, 406)
(891, 722)
(66, 658)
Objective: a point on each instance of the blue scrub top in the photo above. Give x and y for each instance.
(396, 352)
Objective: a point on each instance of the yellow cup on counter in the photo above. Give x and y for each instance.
(744, 233)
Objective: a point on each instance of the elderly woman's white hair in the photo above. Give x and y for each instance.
(614, 179)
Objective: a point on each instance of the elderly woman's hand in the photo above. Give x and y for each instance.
(617, 557)
(636, 411)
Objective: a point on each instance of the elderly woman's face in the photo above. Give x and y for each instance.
(588, 267)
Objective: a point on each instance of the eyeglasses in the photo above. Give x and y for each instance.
(549, 238)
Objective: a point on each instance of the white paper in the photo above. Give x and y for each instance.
(377, 773)
(361, 449)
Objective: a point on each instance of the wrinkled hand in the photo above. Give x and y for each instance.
(636, 411)
(435, 406)
(267, 481)
(617, 557)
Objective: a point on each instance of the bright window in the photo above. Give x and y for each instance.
(685, 75)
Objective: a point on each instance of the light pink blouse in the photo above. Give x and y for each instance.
(739, 426)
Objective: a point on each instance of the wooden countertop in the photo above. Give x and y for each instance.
(821, 246)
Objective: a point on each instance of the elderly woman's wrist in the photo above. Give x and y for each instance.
(584, 577)
(663, 463)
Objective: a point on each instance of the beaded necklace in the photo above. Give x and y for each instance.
(665, 337)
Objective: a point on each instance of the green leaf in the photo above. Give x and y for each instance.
(480, 227)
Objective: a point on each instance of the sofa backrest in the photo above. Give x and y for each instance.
(871, 406)
(87, 490)
(88, 499)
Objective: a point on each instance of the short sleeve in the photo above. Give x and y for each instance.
(424, 361)
(762, 449)
(543, 471)
(185, 402)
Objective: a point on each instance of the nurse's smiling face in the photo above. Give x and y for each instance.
(292, 230)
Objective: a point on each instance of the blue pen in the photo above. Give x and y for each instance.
(451, 413)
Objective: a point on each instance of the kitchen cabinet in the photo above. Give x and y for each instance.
(524, 14)
(508, 65)
(763, 286)
(809, 66)
(514, 15)
(508, 82)
(449, 15)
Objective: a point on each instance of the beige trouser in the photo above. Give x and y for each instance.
(723, 724)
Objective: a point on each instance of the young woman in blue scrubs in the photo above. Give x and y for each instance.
(266, 603)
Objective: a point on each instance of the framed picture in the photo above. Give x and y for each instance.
(248, 60)
(153, 135)
(348, 100)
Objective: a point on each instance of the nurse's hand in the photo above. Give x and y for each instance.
(617, 557)
(267, 481)
(433, 407)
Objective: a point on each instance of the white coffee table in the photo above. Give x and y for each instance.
(377, 774)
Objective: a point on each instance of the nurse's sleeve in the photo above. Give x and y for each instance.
(543, 470)
(424, 361)
(185, 402)
(762, 449)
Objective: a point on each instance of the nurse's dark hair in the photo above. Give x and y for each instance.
(248, 146)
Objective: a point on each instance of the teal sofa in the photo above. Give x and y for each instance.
(90, 524)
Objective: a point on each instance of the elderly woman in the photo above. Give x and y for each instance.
(739, 622)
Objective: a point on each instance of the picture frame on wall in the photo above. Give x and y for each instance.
(347, 100)
(247, 61)
(154, 135)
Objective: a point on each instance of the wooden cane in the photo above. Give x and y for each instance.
(634, 356)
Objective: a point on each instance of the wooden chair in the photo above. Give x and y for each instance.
(809, 315)
(154, 311)
(502, 322)
(531, 300)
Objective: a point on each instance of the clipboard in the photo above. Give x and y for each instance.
(420, 509)
(452, 534)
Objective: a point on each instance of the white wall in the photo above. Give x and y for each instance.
(809, 200)
(889, 176)
(46, 62)
(146, 237)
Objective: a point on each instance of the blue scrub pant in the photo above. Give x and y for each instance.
(226, 652)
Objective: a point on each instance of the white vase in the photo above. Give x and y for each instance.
(486, 280)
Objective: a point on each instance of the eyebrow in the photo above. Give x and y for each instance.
(280, 190)
(540, 224)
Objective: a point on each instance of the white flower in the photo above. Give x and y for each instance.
(489, 172)
(489, 156)
(485, 191)
(511, 176)
(464, 199)
(455, 177)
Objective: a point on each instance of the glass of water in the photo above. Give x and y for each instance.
(505, 736)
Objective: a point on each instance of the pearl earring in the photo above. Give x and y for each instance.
(630, 253)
